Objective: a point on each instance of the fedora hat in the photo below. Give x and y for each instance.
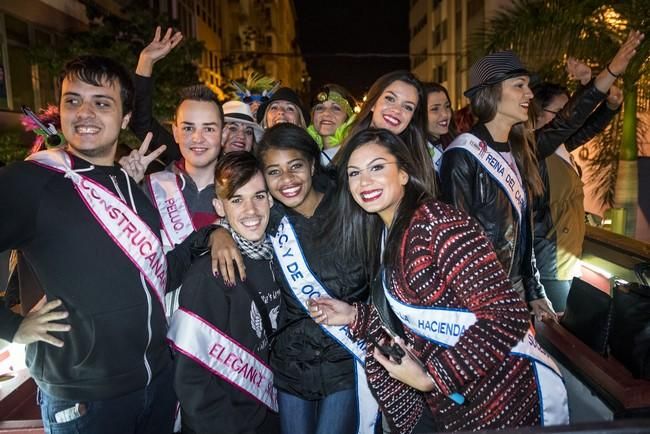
(237, 111)
(492, 69)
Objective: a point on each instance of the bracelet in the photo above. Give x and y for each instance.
(610, 71)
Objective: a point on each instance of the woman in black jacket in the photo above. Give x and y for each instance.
(492, 173)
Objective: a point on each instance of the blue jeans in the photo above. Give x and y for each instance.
(145, 411)
(336, 413)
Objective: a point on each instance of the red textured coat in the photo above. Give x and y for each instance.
(445, 260)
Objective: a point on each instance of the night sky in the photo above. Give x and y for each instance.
(352, 26)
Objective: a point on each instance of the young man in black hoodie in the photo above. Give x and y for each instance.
(221, 331)
(97, 348)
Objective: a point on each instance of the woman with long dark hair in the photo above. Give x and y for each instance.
(441, 128)
(491, 172)
(448, 340)
(396, 102)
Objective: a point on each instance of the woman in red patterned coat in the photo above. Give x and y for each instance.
(466, 359)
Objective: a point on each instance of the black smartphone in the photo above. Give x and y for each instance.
(393, 351)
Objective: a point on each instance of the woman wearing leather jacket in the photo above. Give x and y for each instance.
(491, 172)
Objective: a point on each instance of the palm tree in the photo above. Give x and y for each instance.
(545, 32)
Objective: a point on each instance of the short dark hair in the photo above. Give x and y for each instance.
(545, 92)
(233, 171)
(94, 70)
(290, 136)
(198, 92)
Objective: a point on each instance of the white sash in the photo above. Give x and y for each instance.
(131, 234)
(222, 356)
(174, 214)
(496, 166)
(436, 156)
(305, 286)
(445, 327)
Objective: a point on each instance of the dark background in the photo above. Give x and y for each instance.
(352, 26)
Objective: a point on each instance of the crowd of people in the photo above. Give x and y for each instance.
(295, 270)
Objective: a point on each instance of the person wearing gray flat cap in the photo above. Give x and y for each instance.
(491, 171)
(492, 69)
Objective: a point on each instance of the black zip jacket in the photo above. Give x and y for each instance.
(568, 121)
(306, 361)
(109, 350)
(209, 403)
(468, 186)
(143, 122)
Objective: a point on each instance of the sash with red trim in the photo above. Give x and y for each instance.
(223, 356)
(174, 214)
(129, 232)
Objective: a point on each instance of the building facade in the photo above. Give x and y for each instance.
(440, 32)
(239, 36)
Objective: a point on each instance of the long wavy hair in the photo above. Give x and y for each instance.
(521, 138)
(359, 232)
(414, 135)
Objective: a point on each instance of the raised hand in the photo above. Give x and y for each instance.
(157, 49)
(135, 164)
(619, 63)
(624, 54)
(38, 323)
(578, 70)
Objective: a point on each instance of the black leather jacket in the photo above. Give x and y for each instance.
(563, 128)
(468, 186)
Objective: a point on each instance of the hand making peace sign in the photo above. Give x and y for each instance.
(136, 163)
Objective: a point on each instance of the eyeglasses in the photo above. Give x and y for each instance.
(373, 170)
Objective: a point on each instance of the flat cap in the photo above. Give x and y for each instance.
(492, 69)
